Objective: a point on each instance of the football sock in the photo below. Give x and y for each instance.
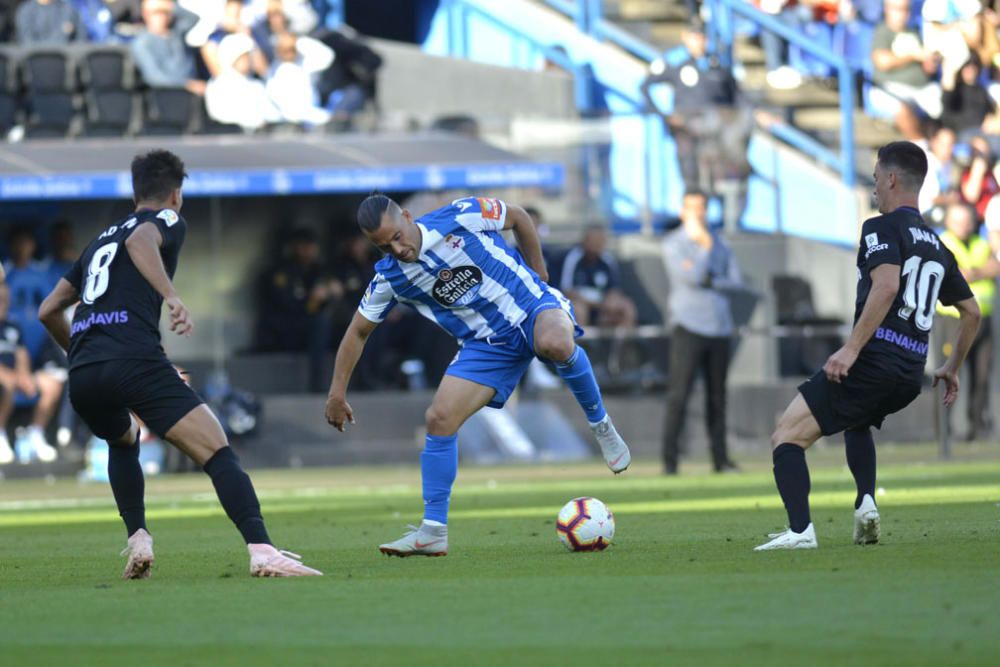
(579, 377)
(861, 460)
(128, 485)
(792, 477)
(236, 493)
(438, 469)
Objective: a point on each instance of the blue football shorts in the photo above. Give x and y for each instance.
(500, 361)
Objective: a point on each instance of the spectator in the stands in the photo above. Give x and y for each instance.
(978, 183)
(7, 10)
(290, 79)
(904, 67)
(952, 28)
(542, 228)
(234, 96)
(795, 15)
(161, 54)
(940, 188)
(353, 270)
(126, 17)
(302, 18)
(291, 296)
(62, 250)
(349, 83)
(29, 283)
(967, 104)
(48, 22)
(15, 372)
(590, 278)
(96, 19)
(700, 104)
(231, 23)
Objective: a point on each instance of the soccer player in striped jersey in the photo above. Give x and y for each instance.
(453, 266)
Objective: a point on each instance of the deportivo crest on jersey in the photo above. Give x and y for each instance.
(489, 207)
(453, 242)
(458, 286)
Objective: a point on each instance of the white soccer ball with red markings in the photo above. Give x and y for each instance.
(585, 524)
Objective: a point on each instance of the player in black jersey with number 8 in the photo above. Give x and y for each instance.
(903, 271)
(118, 367)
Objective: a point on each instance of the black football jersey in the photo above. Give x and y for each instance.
(928, 273)
(11, 338)
(119, 312)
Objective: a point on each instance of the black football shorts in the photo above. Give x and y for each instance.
(864, 398)
(104, 393)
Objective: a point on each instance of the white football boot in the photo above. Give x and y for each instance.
(140, 555)
(789, 539)
(866, 522)
(267, 561)
(426, 540)
(614, 449)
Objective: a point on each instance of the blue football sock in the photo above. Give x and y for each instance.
(438, 468)
(579, 377)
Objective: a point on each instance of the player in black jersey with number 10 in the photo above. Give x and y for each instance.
(903, 271)
(118, 367)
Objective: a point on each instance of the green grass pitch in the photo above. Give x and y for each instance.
(680, 585)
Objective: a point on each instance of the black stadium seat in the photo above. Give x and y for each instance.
(170, 111)
(50, 114)
(108, 77)
(109, 112)
(107, 69)
(49, 72)
(8, 93)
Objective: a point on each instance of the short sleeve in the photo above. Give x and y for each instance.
(172, 228)
(481, 214)
(880, 244)
(75, 275)
(993, 214)
(954, 287)
(378, 299)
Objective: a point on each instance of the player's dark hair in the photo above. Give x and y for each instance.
(371, 211)
(156, 174)
(906, 158)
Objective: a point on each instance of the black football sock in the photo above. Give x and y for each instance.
(128, 485)
(861, 460)
(235, 491)
(792, 477)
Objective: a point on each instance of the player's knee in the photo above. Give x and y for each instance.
(556, 346)
(439, 422)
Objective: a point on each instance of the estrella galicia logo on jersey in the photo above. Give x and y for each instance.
(871, 240)
(114, 317)
(457, 286)
(168, 216)
(489, 208)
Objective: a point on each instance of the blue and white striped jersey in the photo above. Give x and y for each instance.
(466, 278)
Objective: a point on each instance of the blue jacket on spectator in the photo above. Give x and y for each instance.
(57, 22)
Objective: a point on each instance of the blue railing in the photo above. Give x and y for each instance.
(721, 28)
(588, 15)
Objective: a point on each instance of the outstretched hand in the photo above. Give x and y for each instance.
(950, 377)
(338, 412)
(180, 319)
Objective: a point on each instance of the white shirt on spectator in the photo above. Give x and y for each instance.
(302, 18)
(233, 97)
(290, 83)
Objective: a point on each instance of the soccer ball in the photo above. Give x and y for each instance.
(585, 524)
